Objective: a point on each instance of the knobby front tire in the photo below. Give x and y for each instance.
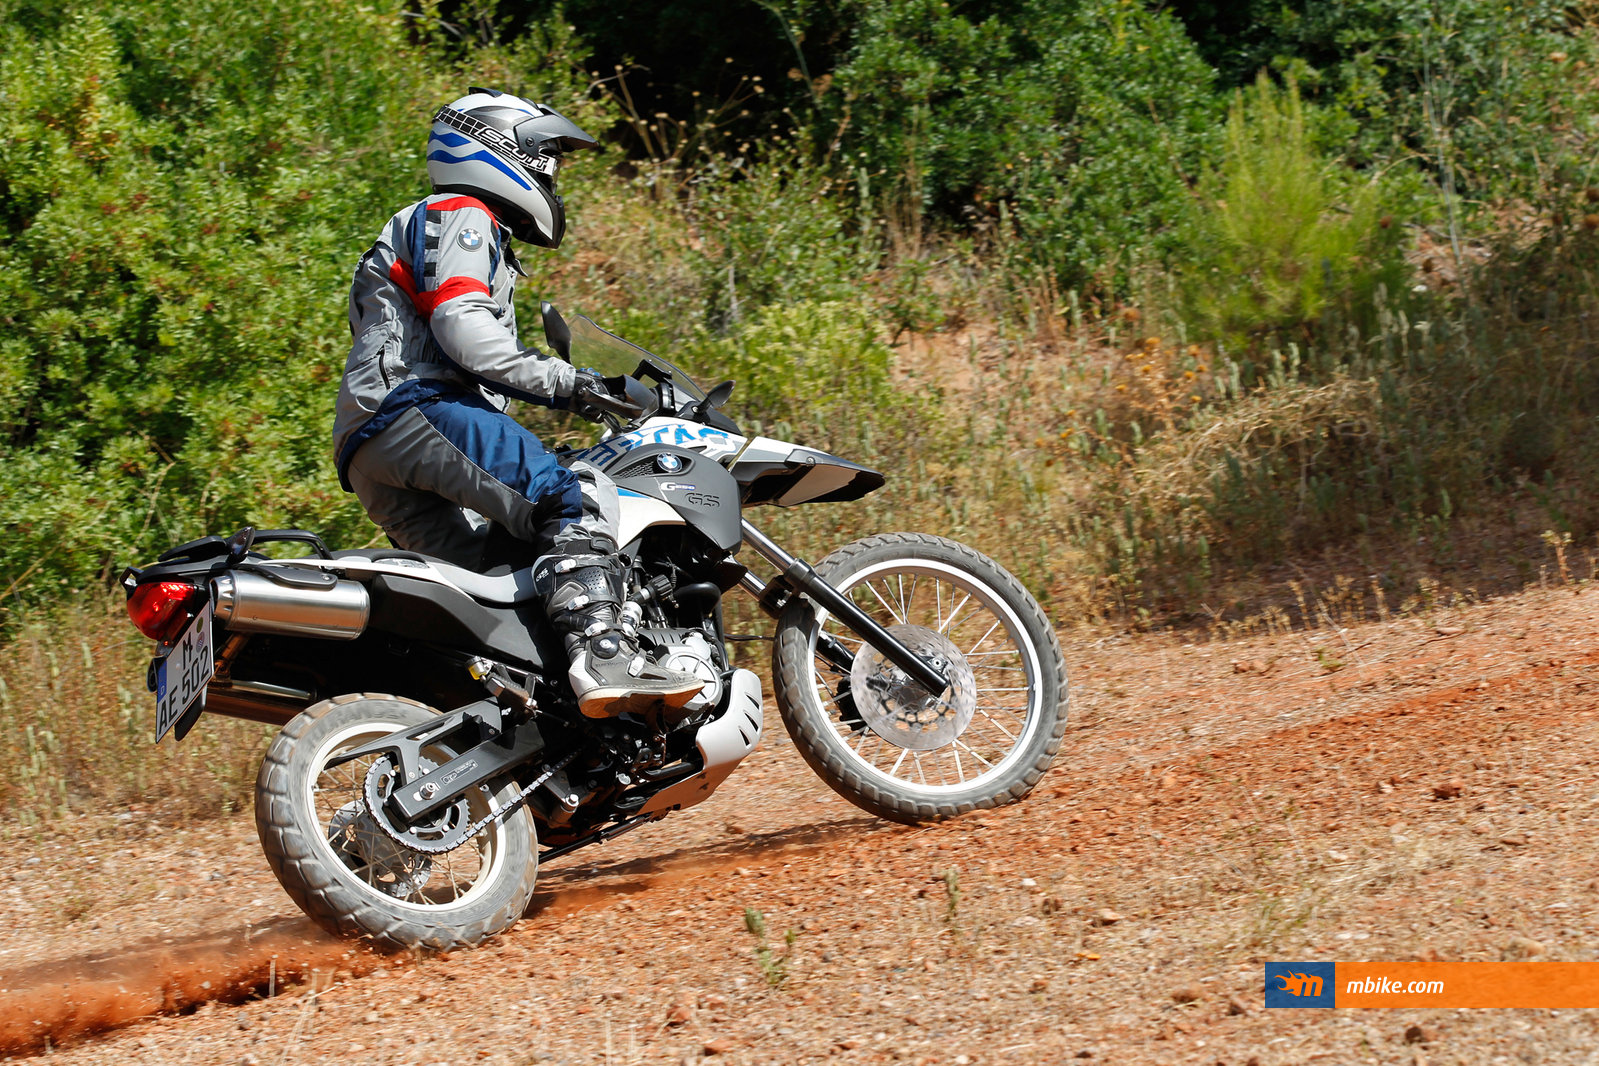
(999, 642)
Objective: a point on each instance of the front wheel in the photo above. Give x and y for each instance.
(884, 743)
(354, 878)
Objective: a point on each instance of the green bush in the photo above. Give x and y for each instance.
(1081, 121)
(1480, 81)
(774, 229)
(1284, 235)
(1128, 117)
(186, 187)
(816, 370)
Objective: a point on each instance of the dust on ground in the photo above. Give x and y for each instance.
(1418, 788)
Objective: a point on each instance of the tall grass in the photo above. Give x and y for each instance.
(77, 725)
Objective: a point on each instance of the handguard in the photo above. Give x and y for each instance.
(596, 395)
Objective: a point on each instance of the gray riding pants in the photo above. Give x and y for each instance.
(440, 478)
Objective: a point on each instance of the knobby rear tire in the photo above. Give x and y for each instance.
(328, 890)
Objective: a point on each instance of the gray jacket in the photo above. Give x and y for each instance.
(430, 310)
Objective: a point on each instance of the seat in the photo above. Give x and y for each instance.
(506, 589)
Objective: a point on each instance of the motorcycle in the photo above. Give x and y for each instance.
(431, 753)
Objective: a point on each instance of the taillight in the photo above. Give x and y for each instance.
(161, 608)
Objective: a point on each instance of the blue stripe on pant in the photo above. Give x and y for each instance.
(416, 475)
(506, 450)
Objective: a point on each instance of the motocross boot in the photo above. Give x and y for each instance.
(583, 590)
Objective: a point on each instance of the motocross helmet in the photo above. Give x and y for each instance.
(504, 150)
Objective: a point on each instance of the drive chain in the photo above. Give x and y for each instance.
(454, 840)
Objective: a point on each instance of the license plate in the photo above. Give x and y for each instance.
(182, 676)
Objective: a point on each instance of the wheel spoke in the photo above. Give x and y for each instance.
(984, 637)
(1008, 734)
(873, 589)
(944, 627)
(972, 752)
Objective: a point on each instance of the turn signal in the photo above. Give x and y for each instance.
(161, 608)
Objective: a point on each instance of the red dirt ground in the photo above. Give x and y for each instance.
(1420, 788)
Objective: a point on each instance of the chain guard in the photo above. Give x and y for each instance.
(452, 828)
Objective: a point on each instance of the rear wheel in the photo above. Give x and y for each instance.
(882, 741)
(355, 879)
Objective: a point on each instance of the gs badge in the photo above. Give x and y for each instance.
(470, 239)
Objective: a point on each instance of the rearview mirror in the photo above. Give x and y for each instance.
(713, 400)
(557, 334)
(719, 396)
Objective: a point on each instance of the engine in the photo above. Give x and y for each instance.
(689, 651)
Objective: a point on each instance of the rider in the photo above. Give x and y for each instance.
(420, 433)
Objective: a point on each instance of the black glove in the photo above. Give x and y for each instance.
(595, 395)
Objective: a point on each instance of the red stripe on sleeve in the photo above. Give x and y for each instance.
(400, 274)
(456, 203)
(428, 302)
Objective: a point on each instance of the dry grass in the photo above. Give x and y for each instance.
(76, 725)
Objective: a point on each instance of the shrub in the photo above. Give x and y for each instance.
(1078, 120)
(774, 228)
(815, 369)
(185, 188)
(1283, 234)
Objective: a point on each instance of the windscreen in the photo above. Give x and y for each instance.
(603, 351)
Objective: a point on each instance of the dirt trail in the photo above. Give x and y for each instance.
(59, 1001)
(49, 1004)
(1420, 788)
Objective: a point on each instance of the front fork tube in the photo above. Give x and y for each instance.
(797, 576)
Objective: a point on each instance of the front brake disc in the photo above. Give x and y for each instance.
(901, 711)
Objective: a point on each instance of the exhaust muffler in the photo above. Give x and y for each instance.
(301, 603)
